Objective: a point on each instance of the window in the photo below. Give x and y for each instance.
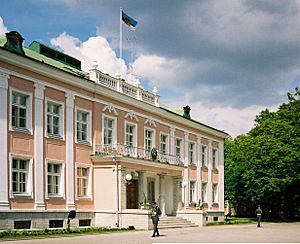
(83, 181)
(192, 191)
(20, 111)
(215, 193)
(21, 176)
(55, 178)
(83, 127)
(203, 155)
(54, 119)
(178, 147)
(109, 131)
(84, 222)
(163, 144)
(151, 190)
(214, 158)
(22, 224)
(56, 223)
(204, 198)
(130, 135)
(191, 153)
(149, 137)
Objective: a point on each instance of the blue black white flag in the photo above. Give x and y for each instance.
(129, 21)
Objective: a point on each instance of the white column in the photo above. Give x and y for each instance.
(70, 190)
(141, 186)
(4, 204)
(38, 146)
(221, 176)
(186, 169)
(162, 203)
(209, 181)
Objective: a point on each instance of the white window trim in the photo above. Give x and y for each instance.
(194, 193)
(61, 121)
(204, 196)
(115, 129)
(136, 131)
(216, 193)
(205, 155)
(216, 157)
(29, 187)
(28, 112)
(89, 127)
(62, 179)
(181, 142)
(167, 142)
(153, 144)
(89, 190)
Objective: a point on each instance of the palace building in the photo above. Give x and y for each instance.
(96, 144)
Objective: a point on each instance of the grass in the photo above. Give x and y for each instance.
(54, 233)
(233, 221)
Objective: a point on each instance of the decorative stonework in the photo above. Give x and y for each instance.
(4, 81)
(111, 108)
(150, 121)
(132, 115)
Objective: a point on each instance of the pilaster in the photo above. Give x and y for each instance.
(186, 170)
(172, 140)
(221, 176)
(209, 183)
(70, 188)
(198, 163)
(39, 146)
(4, 204)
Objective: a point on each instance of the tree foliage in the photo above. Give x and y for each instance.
(263, 167)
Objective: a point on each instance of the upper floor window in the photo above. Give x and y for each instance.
(178, 147)
(109, 131)
(214, 158)
(163, 144)
(83, 181)
(55, 178)
(54, 119)
(203, 155)
(130, 135)
(20, 176)
(192, 191)
(149, 139)
(20, 111)
(191, 153)
(83, 126)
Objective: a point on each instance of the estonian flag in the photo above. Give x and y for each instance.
(129, 21)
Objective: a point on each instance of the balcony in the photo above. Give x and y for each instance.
(123, 87)
(137, 153)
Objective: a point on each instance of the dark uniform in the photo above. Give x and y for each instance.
(155, 219)
(258, 212)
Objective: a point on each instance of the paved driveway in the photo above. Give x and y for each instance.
(286, 232)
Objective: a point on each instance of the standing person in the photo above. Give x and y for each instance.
(155, 219)
(258, 212)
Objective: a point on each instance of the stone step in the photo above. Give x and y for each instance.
(168, 222)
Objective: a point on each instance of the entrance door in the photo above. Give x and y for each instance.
(132, 195)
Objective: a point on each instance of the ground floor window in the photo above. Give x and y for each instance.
(151, 190)
(56, 224)
(23, 224)
(85, 222)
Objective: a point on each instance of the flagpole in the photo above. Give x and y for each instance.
(120, 38)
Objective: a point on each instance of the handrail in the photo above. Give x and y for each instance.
(136, 152)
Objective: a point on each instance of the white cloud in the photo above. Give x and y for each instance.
(94, 49)
(3, 28)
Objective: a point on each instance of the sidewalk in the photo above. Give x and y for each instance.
(279, 232)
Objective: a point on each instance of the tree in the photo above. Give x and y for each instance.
(263, 167)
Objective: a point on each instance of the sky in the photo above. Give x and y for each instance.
(228, 60)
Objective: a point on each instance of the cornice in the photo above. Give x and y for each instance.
(83, 83)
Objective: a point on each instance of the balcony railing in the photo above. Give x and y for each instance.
(121, 86)
(138, 153)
